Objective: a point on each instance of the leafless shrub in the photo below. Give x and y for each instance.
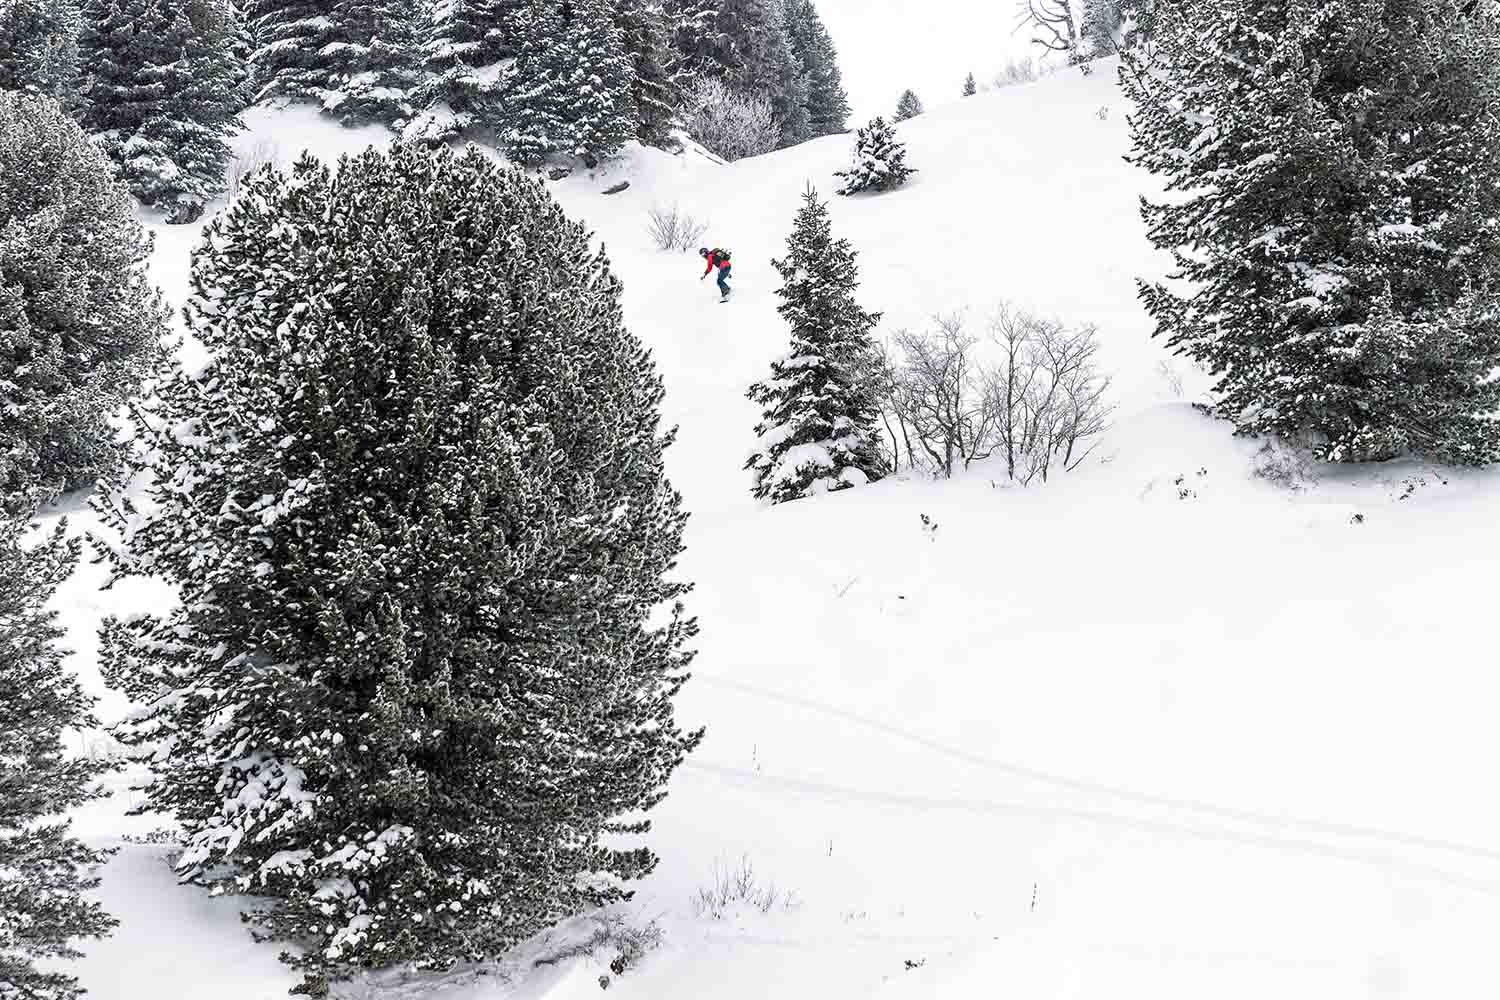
(740, 885)
(1285, 464)
(629, 941)
(727, 122)
(674, 229)
(1017, 71)
(263, 153)
(1172, 377)
(1040, 407)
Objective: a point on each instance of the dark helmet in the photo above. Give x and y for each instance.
(703, 251)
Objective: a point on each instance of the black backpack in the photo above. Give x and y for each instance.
(722, 255)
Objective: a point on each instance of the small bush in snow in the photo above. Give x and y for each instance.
(416, 512)
(740, 885)
(674, 229)
(1016, 72)
(80, 327)
(263, 154)
(879, 162)
(1284, 464)
(729, 123)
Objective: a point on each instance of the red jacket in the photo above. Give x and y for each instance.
(714, 260)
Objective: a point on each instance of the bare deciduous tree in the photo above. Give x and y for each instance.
(1039, 406)
(1054, 26)
(674, 229)
(727, 122)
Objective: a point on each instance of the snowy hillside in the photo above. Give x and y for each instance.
(1157, 729)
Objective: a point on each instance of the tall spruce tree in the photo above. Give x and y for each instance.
(462, 41)
(793, 83)
(162, 97)
(45, 872)
(909, 106)
(817, 433)
(80, 326)
(379, 62)
(1335, 229)
(879, 161)
(293, 43)
(730, 40)
(426, 457)
(827, 104)
(39, 48)
(654, 93)
(569, 89)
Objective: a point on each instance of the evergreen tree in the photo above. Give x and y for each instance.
(379, 63)
(827, 104)
(80, 327)
(879, 162)
(1100, 28)
(909, 106)
(294, 42)
(793, 85)
(44, 871)
(569, 88)
(463, 40)
(1339, 186)
(428, 463)
(970, 86)
(817, 433)
(654, 93)
(39, 48)
(162, 97)
(730, 40)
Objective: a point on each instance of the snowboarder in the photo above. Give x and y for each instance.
(720, 259)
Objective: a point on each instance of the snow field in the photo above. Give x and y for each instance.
(1091, 740)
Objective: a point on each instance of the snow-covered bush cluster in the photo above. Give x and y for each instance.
(729, 123)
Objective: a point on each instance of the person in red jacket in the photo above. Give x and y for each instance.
(720, 259)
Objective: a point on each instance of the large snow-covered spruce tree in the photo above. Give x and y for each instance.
(463, 38)
(817, 433)
(162, 95)
(1339, 171)
(45, 873)
(654, 93)
(827, 103)
(292, 46)
(879, 160)
(428, 641)
(80, 326)
(569, 89)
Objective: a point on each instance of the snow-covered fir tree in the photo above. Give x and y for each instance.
(827, 104)
(879, 161)
(39, 48)
(416, 511)
(45, 872)
(1339, 170)
(292, 45)
(80, 326)
(817, 433)
(162, 95)
(909, 106)
(731, 40)
(463, 41)
(971, 87)
(379, 60)
(793, 83)
(568, 90)
(654, 93)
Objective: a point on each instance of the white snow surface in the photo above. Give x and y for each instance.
(1158, 729)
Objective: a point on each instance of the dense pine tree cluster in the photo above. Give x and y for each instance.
(39, 48)
(879, 161)
(820, 405)
(1339, 174)
(416, 512)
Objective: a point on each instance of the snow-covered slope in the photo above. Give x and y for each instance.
(1119, 736)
